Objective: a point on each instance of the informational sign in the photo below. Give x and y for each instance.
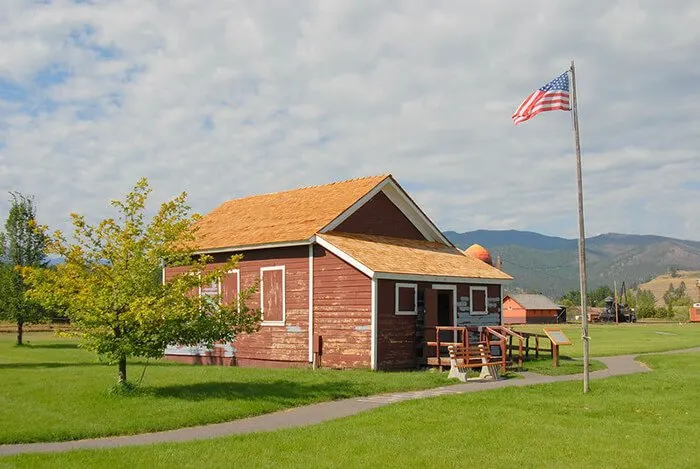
(557, 336)
(210, 290)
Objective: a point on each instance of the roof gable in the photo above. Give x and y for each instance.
(400, 198)
(380, 216)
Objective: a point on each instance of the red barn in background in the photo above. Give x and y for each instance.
(529, 309)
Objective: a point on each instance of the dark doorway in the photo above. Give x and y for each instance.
(444, 313)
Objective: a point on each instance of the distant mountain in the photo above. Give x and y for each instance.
(550, 264)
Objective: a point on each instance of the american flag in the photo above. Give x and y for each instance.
(551, 97)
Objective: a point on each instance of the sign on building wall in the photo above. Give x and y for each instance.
(198, 350)
(210, 290)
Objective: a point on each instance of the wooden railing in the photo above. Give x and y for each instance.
(440, 360)
(527, 336)
(511, 334)
(487, 334)
(491, 336)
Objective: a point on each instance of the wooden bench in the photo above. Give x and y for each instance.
(474, 356)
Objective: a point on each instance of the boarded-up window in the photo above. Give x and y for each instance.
(230, 287)
(477, 300)
(272, 294)
(406, 298)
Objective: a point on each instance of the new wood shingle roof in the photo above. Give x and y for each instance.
(407, 256)
(280, 217)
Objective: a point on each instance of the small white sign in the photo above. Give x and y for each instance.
(197, 350)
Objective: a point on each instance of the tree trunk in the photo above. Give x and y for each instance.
(122, 370)
(20, 330)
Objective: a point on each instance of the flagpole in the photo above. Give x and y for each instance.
(581, 234)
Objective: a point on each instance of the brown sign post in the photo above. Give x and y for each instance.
(557, 337)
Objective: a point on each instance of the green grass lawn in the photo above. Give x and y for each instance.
(567, 366)
(51, 390)
(644, 420)
(621, 339)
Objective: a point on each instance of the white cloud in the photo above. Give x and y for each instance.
(225, 99)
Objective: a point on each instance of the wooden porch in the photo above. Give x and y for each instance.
(505, 345)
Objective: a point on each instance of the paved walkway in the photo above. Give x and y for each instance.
(316, 413)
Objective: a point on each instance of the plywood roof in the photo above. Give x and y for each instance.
(406, 256)
(294, 215)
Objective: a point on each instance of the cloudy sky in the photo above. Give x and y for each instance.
(224, 99)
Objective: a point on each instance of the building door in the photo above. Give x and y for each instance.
(446, 310)
(444, 313)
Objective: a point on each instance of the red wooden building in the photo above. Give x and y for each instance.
(529, 309)
(695, 313)
(356, 263)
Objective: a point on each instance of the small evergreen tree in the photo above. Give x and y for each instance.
(22, 245)
(677, 296)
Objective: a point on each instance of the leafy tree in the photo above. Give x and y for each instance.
(111, 286)
(571, 298)
(645, 304)
(594, 298)
(22, 245)
(597, 296)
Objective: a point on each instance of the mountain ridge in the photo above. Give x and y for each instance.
(549, 264)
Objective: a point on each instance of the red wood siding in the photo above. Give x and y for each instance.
(272, 292)
(342, 311)
(379, 216)
(273, 345)
(396, 337)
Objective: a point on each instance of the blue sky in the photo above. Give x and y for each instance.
(225, 99)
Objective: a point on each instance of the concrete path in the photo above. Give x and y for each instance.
(316, 413)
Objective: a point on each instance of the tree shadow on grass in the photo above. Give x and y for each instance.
(29, 366)
(280, 391)
(51, 346)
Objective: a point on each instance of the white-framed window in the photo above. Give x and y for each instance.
(478, 300)
(406, 298)
(272, 295)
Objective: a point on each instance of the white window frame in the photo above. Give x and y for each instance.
(284, 296)
(414, 312)
(471, 301)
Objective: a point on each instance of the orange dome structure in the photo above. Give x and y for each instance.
(479, 252)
